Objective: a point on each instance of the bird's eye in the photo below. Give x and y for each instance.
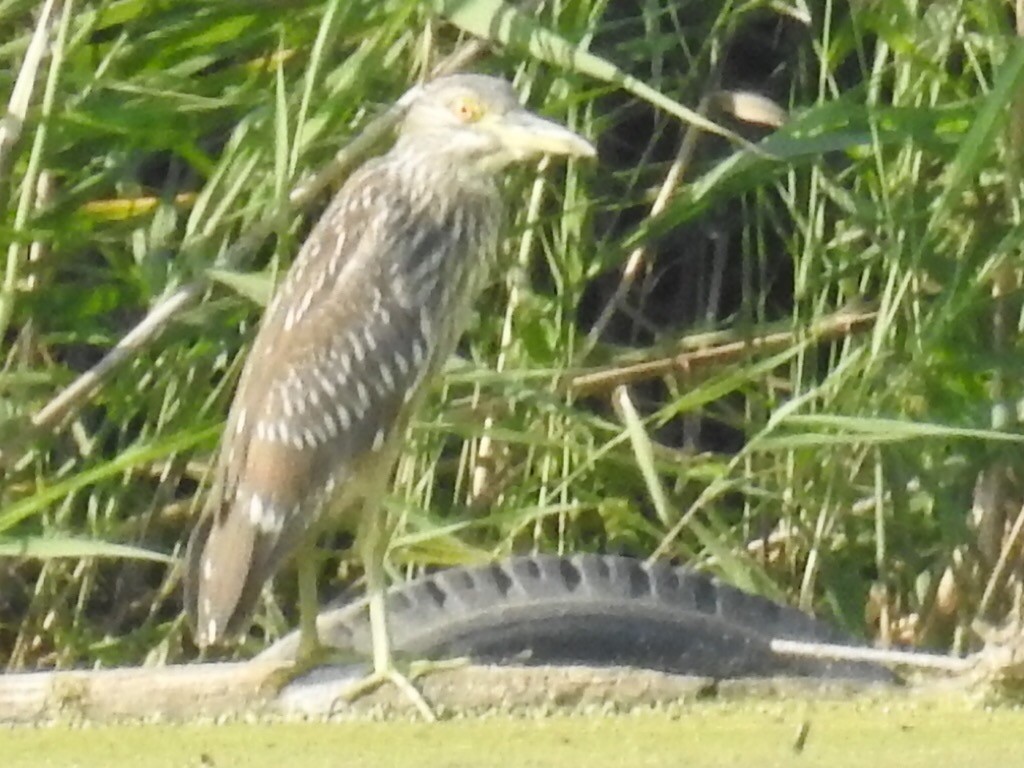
(467, 109)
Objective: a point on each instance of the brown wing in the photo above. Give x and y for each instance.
(358, 323)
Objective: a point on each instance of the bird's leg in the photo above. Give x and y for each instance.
(373, 539)
(311, 652)
(377, 606)
(309, 606)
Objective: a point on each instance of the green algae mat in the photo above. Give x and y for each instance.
(853, 733)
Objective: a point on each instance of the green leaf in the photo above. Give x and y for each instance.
(133, 457)
(258, 287)
(51, 547)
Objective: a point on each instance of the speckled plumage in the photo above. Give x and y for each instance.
(372, 307)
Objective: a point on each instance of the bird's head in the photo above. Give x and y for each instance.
(478, 119)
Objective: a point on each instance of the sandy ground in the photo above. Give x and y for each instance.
(249, 691)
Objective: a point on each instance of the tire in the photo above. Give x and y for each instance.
(594, 610)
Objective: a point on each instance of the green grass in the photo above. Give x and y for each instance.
(160, 150)
(846, 734)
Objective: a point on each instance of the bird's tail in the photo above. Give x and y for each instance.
(221, 587)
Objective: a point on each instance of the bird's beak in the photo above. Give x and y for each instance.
(524, 134)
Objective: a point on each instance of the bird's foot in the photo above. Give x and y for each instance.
(423, 667)
(390, 673)
(306, 660)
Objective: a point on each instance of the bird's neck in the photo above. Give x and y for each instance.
(433, 157)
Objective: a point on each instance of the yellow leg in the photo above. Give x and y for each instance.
(309, 605)
(373, 543)
(311, 653)
(373, 540)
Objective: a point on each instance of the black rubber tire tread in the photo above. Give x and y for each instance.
(590, 609)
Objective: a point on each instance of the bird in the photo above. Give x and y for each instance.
(372, 306)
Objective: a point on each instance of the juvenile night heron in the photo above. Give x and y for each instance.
(373, 305)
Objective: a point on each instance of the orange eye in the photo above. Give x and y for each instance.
(468, 110)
